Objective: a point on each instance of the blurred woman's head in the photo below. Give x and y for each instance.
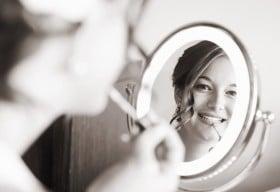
(50, 62)
(205, 90)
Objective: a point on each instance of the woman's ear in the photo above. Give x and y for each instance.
(183, 97)
(186, 97)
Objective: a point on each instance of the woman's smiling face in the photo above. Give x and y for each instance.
(214, 96)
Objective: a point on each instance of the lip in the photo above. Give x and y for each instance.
(211, 119)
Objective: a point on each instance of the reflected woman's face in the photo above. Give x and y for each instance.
(214, 96)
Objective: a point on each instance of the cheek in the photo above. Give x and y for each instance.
(230, 106)
(91, 94)
(39, 86)
(199, 101)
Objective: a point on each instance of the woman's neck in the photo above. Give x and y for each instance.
(21, 124)
(195, 146)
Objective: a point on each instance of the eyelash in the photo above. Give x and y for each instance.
(231, 93)
(202, 87)
(205, 88)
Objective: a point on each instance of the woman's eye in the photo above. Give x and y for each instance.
(202, 87)
(231, 93)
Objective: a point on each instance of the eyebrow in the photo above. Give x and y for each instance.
(233, 85)
(208, 79)
(205, 78)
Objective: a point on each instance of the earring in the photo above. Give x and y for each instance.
(181, 122)
(219, 136)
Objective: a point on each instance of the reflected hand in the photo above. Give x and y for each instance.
(142, 171)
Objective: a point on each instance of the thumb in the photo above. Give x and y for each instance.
(146, 144)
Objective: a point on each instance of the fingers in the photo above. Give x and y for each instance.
(147, 143)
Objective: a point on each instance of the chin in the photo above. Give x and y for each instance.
(204, 131)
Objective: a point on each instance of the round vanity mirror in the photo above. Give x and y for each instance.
(201, 80)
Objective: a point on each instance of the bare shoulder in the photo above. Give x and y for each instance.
(15, 175)
(274, 190)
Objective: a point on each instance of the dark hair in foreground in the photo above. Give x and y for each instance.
(13, 31)
(188, 69)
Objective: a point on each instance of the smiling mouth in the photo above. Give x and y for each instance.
(211, 120)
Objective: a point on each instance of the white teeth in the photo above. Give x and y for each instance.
(210, 120)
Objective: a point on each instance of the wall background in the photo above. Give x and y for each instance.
(257, 25)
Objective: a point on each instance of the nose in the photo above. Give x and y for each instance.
(216, 101)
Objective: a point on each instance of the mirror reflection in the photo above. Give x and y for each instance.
(204, 91)
(201, 80)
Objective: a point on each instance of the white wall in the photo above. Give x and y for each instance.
(257, 24)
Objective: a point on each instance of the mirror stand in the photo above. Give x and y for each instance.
(130, 90)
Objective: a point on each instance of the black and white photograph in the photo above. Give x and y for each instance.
(139, 96)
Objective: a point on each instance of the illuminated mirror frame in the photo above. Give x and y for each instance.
(246, 100)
